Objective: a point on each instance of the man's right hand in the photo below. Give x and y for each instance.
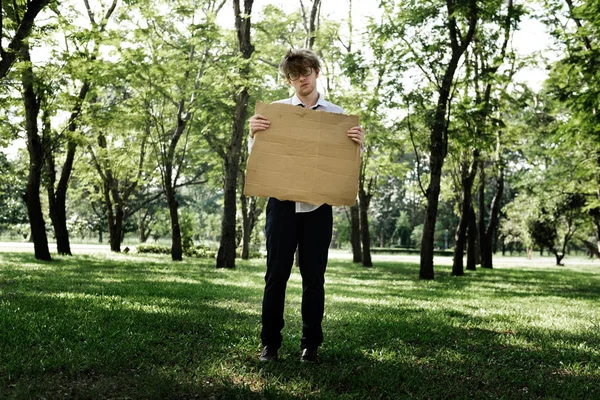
(258, 123)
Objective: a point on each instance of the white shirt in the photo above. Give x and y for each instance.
(322, 105)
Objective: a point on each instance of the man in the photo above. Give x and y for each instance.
(293, 224)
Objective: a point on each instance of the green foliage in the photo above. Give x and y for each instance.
(12, 186)
(544, 230)
(195, 251)
(153, 249)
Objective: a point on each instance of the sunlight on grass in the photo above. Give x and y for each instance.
(133, 326)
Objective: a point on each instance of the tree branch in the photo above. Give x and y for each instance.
(24, 29)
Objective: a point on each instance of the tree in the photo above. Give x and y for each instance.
(57, 189)
(439, 127)
(490, 52)
(438, 42)
(36, 159)
(121, 174)
(171, 57)
(554, 228)
(311, 23)
(226, 255)
(575, 83)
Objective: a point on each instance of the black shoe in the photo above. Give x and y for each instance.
(309, 355)
(268, 354)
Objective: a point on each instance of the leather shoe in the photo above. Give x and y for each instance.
(309, 355)
(268, 354)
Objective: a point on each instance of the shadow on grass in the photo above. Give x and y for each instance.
(87, 327)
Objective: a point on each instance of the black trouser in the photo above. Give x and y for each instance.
(311, 232)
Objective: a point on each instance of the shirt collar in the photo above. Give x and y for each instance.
(320, 102)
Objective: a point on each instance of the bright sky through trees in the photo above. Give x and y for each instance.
(531, 38)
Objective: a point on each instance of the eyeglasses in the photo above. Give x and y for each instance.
(293, 76)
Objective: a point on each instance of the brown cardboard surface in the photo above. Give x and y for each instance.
(305, 155)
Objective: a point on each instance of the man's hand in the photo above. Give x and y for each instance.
(357, 134)
(258, 123)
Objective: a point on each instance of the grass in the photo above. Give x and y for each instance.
(142, 327)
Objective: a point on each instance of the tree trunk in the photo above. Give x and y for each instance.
(490, 230)
(110, 216)
(36, 154)
(433, 193)
(116, 231)
(247, 223)
(355, 234)
(467, 178)
(176, 246)
(58, 215)
(312, 25)
(459, 246)
(559, 257)
(18, 43)
(143, 229)
(471, 239)
(226, 254)
(365, 235)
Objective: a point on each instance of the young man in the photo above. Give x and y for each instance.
(293, 224)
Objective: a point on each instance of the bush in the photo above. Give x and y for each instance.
(200, 251)
(153, 249)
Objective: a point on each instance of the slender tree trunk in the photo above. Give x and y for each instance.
(468, 173)
(490, 230)
(471, 239)
(312, 25)
(365, 235)
(226, 254)
(459, 246)
(355, 234)
(144, 231)
(176, 245)
(481, 211)
(248, 216)
(58, 215)
(427, 240)
(110, 215)
(36, 155)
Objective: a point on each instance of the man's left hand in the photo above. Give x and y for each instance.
(357, 134)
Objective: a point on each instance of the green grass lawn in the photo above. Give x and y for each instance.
(138, 327)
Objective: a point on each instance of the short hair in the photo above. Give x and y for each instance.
(297, 60)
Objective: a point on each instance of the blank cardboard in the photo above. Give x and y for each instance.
(305, 155)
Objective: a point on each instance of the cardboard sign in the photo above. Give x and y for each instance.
(305, 155)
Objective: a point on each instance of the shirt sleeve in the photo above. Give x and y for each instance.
(250, 143)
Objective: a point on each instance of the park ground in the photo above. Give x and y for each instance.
(129, 326)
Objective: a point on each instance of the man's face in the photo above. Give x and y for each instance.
(304, 83)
